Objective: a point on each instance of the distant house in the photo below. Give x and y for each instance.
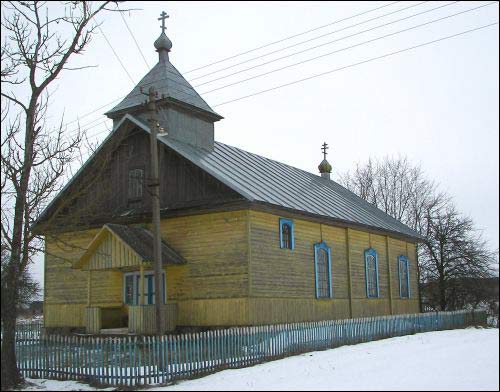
(246, 240)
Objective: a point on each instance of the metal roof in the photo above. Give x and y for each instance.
(169, 82)
(141, 241)
(265, 180)
(261, 179)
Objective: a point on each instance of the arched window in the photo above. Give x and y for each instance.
(287, 240)
(404, 277)
(323, 271)
(371, 273)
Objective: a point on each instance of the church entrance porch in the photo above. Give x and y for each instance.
(118, 260)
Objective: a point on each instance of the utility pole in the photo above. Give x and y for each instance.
(154, 186)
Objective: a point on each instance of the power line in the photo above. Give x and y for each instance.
(326, 43)
(116, 55)
(359, 63)
(109, 103)
(290, 37)
(346, 67)
(346, 48)
(133, 37)
(308, 40)
(343, 49)
(272, 43)
(339, 39)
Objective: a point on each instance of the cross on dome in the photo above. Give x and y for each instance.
(324, 148)
(163, 43)
(163, 17)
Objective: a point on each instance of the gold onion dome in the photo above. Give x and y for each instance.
(325, 167)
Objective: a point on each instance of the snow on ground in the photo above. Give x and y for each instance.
(464, 359)
(53, 385)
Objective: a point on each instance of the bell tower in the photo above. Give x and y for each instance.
(182, 113)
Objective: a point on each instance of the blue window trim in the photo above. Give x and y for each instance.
(290, 223)
(371, 252)
(317, 247)
(147, 287)
(407, 263)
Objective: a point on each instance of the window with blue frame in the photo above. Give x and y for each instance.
(131, 294)
(404, 277)
(371, 273)
(323, 271)
(287, 240)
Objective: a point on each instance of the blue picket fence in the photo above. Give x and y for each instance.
(142, 360)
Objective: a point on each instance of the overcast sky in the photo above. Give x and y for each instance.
(437, 104)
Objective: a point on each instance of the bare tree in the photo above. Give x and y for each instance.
(455, 260)
(34, 158)
(396, 187)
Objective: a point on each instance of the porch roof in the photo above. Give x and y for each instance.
(123, 246)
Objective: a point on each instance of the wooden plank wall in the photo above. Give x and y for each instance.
(279, 277)
(236, 273)
(142, 318)
(112, 253)
(209, 288)
(66, 288)
(92, 320)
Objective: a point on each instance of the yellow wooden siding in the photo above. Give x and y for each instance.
(92, 320)
(290, 310)
(335, 238)
(66, 289)
(215, 248)
(236, 273)
(287, 275)
(377, 242)
(64, 315)
(402, 306)
(142, 318)
(213, 312)
(368, 307)
(280, 272)
(106, 288)
(359, 241)
(112, 253)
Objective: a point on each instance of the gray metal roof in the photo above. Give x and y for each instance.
(265, 180)
(261, 179)
(141, 241)
(169, 82)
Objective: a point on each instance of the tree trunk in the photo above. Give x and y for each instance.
(10, 373)
(442, 295)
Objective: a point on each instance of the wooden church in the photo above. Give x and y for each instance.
(246, 240)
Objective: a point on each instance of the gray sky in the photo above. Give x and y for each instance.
(436, 104)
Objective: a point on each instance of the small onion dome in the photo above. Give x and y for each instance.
(163, 43)
(325, 167)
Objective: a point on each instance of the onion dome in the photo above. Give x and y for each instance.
(325, 167)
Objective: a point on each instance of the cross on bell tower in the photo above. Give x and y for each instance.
(163, 43)
(163, 17)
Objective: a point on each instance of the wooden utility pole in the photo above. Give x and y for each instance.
(154, 186)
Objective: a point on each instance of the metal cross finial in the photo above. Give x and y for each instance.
(163, 17)
(324, 148)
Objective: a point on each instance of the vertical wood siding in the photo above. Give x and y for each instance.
(112, 253)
